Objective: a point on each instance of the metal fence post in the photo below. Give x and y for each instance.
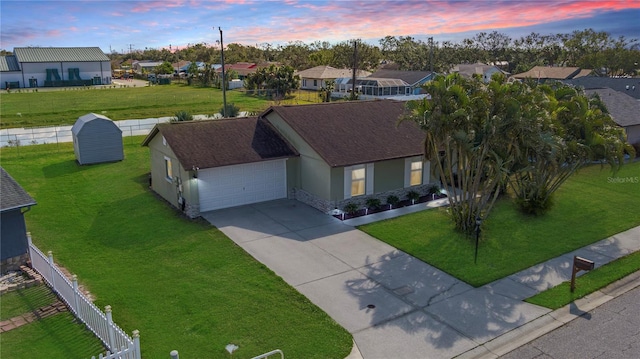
(51, 271)
(107, 311)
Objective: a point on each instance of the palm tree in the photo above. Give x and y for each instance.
(460, 136)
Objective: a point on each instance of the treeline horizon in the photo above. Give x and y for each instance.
(587, 49)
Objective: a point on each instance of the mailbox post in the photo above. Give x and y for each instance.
(579, 264)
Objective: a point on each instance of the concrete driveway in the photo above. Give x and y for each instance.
(394, 305)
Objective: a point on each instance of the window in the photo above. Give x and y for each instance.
(416, 173)
(358, 182)
(168, 171)
(315, 83)
(304, 82)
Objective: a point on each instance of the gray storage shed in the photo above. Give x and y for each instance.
(97, 139)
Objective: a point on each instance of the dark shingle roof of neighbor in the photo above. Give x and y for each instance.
(410, 77)
(12, 195)
(357, 132)
(216, 143)
(624, 109)
(9, 63)
(58, 54)
(630, 85)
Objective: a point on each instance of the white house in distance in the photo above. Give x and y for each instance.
(315, 78)
(478, 69)
(32, 67)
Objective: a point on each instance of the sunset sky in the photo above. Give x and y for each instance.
(119, 25)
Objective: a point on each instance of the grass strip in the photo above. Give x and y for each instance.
(561, 295)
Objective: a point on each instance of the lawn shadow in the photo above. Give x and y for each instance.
(63, 168)
(134, 223)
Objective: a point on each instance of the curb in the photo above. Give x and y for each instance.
(538, 327)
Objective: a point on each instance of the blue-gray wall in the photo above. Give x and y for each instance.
(98, 141)
(13, 234)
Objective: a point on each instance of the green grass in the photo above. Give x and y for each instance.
(58, 336)
(588, 283)
(182, 283)
(591, 206)
(24, 301)
(63, 107)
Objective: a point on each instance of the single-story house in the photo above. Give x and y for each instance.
(543, 73)
(415, 79)
(315, 78)
(325, 155)
(628, 85)
(145, 66)
(624, 109)
(478, 69)
(14, 202)
(33, 67)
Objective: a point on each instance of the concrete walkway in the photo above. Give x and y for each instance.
(393, 304)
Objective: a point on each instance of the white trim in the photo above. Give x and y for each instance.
(426, 172)
(347, 182)
(168, 169)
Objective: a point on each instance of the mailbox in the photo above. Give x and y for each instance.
(582, 263)
(579, 264)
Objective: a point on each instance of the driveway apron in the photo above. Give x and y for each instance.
(393, 304)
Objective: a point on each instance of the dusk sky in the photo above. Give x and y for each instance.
(119, 25)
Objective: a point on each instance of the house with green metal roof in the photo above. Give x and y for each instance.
(33, 67)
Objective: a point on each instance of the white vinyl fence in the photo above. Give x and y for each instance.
(119, 344)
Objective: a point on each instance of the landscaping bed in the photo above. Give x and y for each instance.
(386, 207)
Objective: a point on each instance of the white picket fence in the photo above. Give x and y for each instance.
(119, 344)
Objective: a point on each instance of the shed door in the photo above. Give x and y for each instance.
(236, 185)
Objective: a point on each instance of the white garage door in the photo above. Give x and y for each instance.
(236, 185)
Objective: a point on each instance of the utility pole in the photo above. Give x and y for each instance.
(431, 54)
(224, 85)
(355, 68)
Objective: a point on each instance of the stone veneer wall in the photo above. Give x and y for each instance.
(326, 206)
(14, 263)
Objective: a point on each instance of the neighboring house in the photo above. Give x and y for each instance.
(624, 109)
(241, 68)
(543, 73)
(325, 155)
(369, 88)
(315, 78)
(14, 202)
(146, 66)
(628, 85)
(478, 69)
(97, 139)
(415, 79)
(33, 67)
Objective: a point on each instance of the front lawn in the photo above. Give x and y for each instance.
(182, 283)
(594, 204)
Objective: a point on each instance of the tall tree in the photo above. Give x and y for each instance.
(460, 135)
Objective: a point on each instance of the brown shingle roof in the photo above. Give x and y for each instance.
(549, 72)
(349, 133)
(216, 143)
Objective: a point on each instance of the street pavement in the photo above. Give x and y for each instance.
(394, 305)
(611, 331)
